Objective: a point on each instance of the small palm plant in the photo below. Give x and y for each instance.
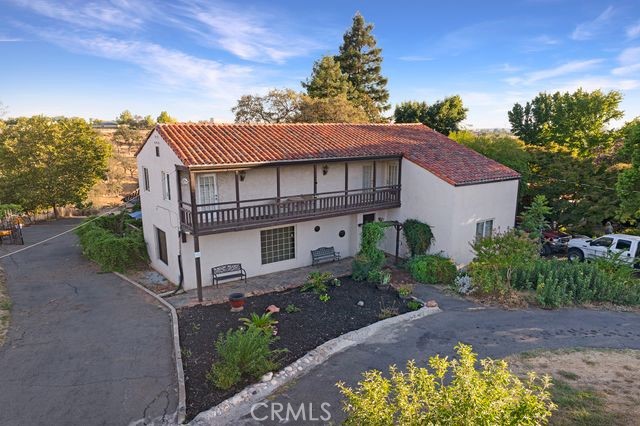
(262, 322)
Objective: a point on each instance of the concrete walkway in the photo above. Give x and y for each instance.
(84, 348)
(492, 332)
(277, 281)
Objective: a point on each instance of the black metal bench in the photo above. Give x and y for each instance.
(324, 254)
(226, 272)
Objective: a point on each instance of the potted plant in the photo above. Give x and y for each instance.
(236, 300)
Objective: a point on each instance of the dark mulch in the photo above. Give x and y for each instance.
(298, 332)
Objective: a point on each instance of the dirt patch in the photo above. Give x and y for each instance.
(592, 386)
(299, 332)
(152, 280)
(5, 307)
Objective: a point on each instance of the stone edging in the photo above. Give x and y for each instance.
(182, 405)
(240, 404)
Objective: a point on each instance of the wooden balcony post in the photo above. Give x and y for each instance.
(196, 238)
(399, 182)
(315, 185)
(374, 195)
(237, 196)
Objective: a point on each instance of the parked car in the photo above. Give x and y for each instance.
(554, 242)
(625, 246)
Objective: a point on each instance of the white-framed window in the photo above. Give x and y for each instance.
(392, 174)
(166, 186)
(207, 192)
(278, 244)
(367, 176)
(484, 229)
(145, 177)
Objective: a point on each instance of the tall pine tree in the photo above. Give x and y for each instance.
(360, 60)
(327, 80)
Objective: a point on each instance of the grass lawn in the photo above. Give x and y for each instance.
(590, 386)
(5, 307)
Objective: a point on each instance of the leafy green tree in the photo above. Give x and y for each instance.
(327, 80)
(411, 112)
(628, 183)
(361, 61)
(164, 117)
(148, 122)
(443, 116)
(126, 118)
(277, 106)
(48, 163)
(534, 218)
(336, 109)
(578, 120)
(126, 136)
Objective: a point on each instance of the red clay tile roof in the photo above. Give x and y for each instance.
(234, 144)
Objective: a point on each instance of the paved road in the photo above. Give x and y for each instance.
(84, 348)
(492, 332)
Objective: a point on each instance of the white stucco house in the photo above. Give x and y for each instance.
(265, 195)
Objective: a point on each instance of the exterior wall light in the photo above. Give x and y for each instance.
(325, 170)
(185, 181)
(242, 175)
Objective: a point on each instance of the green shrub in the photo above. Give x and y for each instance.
(317, 282)
(432, 269)
(491, 395)
(10, 208)
(497, 258)
(112, 243)
(414, 305)
(242, 353)
(418, 235)
(370, 258)
(264, 322)
(558, 283)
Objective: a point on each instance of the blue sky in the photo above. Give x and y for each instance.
(195, 58)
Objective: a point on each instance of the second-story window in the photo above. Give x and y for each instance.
(367, 176)
(145, 176)
(166, 186)
(392, 174)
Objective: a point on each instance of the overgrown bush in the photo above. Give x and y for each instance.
(559, 283)
(497, 258)
(491, 395)
(432, 269)
(370, 258)
(418, 235)
(112, 243)
(243, 353)
(10, 208)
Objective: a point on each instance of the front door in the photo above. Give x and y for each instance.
(207, 192)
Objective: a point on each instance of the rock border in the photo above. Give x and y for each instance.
(181, 409)
(240, 404)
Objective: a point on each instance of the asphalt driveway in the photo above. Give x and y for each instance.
(492, 332)
(84, 348)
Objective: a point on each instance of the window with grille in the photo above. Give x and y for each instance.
(278, 244)
(392, 174)
(484, 229)
(145, 174)
(166, 186)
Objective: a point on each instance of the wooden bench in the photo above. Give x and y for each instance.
(324, 254)
(226, 272)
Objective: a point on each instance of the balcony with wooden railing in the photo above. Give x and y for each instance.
(256, 213)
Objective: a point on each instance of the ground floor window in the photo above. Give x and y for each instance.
(278, 244)
(161, 237)
(484, 229)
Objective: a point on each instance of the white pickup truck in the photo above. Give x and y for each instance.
(627, 247)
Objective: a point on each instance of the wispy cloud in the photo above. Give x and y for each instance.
(633, 31)
(415, 58)
(97, 15)
(539, 43)
(629, 60)
(245, 33)
(559, 71)
(4, 39)
(598, 82)
(589, 29)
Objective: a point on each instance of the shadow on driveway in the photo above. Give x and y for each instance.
(83, 347)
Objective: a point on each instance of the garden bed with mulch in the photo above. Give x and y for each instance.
(298, 332)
